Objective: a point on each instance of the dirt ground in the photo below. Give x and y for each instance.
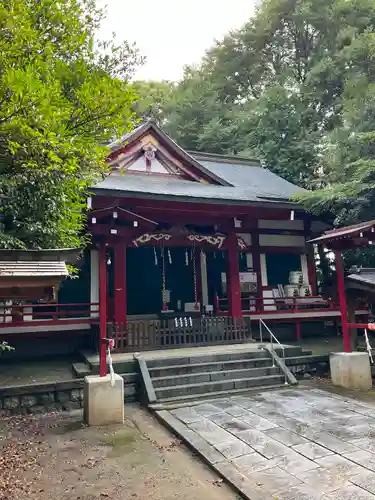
(56, 457)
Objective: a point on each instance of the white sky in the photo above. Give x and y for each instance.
(172, 33)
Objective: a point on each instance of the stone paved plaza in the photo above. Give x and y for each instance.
(291, 444)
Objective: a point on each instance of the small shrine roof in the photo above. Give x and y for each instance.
(33, 269)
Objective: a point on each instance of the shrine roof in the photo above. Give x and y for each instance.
(213, 177)
(348, 233)
(30, 269)
(176, 188)
(249, 173)
(363, 275)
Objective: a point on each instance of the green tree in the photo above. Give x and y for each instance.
(277, 87)
(61, 100)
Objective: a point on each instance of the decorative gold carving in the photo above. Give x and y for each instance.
(145, 238)
(212, 240)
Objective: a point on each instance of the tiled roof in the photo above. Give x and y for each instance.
(239, 180)
(148, 185)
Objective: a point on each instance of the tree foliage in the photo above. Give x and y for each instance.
(62, 98)
(295, 87)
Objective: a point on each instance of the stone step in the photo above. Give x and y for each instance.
(80, 370)
(214, 366)
(217, 376)
(307, 359)
(195, 399)
(216, 386)
(219, 357)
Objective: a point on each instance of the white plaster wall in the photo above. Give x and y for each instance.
(263, 269)
(281, 240)
(94, 281)
(281, 224)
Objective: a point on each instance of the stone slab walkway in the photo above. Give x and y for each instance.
(289, 444)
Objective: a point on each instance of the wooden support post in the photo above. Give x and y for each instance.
(102, 310)
(233, 278)
(342, 300)
(120, 284)
(257, 268)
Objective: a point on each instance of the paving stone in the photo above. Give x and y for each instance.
(297, 493)
(312, 450)
(230, 423)
(365, 480)
(207, 409)
(273, 480)
(322, 480)
(247, 488)
(340, 466)
(364, 458)
(365, 443)
(251, 463)
(234, 448)
(202, 447)
(286, 437)
(210, 431)
(350, 493)
(333, 443)
(187, 415)
(293, 462)
(263, 444)
(223, 404)
(257, 422)
(236, 411)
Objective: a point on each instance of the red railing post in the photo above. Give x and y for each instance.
(102, 310)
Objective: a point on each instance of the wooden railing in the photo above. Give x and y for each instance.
(164, 334)
(12, 315)
(270, 305)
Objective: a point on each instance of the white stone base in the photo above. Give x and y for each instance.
(103, 404)
(351, 370)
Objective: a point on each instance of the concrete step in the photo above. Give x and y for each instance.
(214, 366)
(80, 370)
(218, 357)
(217, 376)
(195, 399)
(307, 359)
(227, 386)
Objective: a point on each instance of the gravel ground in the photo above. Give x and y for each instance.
(56, 457)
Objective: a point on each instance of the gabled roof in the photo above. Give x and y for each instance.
(151, 126)
(233, 179)
(348, 233)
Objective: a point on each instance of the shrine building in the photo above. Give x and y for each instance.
(182, 241)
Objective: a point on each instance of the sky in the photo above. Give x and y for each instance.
(172, 33)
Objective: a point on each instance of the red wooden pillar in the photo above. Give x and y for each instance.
(342, 300)
(255, 247)
(233, 278)
(102, 310)
(120, 284)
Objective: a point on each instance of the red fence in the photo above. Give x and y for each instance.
(42, 314)
(272, 305)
